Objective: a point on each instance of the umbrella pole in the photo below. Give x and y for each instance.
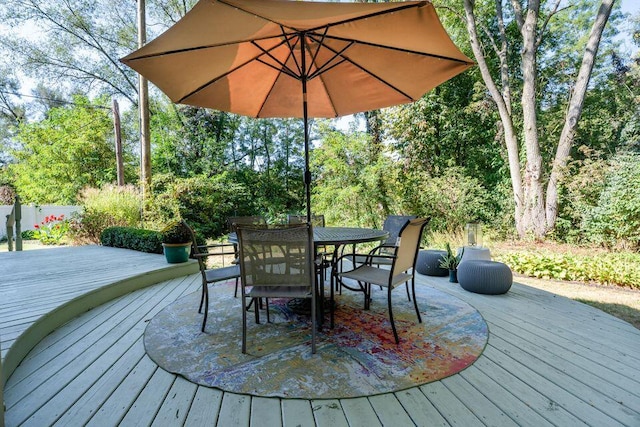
(307, 172)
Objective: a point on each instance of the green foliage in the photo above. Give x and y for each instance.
(451, 200)
(204, 203)
(106, 207)
(132, 238)
(352, 184)
(176, 232)
(52, 230)
(579, 193)
(189, 141)
(29, 235)
(71, 149)
(621, 269)
(450, 261)
(615, 221)
(451, 126)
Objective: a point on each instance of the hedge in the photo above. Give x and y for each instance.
(133, 238)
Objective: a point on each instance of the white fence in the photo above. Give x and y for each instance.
(34, 214)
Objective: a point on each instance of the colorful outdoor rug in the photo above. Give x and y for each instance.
(358, 357)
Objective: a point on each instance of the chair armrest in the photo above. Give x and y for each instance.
(370, 258)
(377, 249)
(220, 245)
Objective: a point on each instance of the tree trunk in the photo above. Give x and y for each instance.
(576, 103)
(504, 109)
(533, 219)
(534, 214)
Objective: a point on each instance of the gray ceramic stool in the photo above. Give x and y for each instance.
(428, 263)
(485, 277)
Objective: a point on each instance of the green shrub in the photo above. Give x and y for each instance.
(106, 207)
(136, 239)
(615, 221)
(451, 200)
(176, 232)
(621, 269)
(28, 235)
(203, 202)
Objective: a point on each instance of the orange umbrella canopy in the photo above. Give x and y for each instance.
(259, 57)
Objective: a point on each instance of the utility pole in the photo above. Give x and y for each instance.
(143, 101)
(118, 137)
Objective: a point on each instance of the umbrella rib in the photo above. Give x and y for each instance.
(194, 48)
(288, 71)
(291, 47)
(375, 76)
(372, 15)
(336, 54)
(264, 52)
(283, 69)
(399, 49)
(315, 54)
(345, 21)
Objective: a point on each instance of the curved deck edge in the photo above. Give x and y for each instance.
(71, 309)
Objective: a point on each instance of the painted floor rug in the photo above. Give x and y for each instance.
(358, 357)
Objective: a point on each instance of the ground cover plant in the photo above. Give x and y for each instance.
(608, 268)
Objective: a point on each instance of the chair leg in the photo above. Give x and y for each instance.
(406, 285)
(206, 307)
(204, 286)
(393, 325)
(266, 301)
(235, 293)
(314, 324)
(367, 296)
(256, 309)
(415, 301)
(332, 303)
(244, 325)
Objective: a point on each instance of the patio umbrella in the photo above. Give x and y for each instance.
(274, 58)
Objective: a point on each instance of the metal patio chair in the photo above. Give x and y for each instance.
(211, 275)
(400, 270)
(276, 263)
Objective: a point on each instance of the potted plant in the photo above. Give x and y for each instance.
(176, 241)
(451, 262)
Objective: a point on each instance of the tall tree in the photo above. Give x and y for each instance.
(70, 149)
(11, 114)
(535, 210)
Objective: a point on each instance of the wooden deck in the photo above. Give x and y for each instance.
(549, 361)
(42, 289)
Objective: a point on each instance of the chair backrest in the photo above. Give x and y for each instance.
(393, 224)
(407, 251)
(280, 256)
(255, 220)
(316, 220)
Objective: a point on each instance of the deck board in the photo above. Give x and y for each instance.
(360, 413)
(549, 361)
(500, 396)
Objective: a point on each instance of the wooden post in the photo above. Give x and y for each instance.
(143, 101)
(18, 215)
(10, 232)
(118, 138)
